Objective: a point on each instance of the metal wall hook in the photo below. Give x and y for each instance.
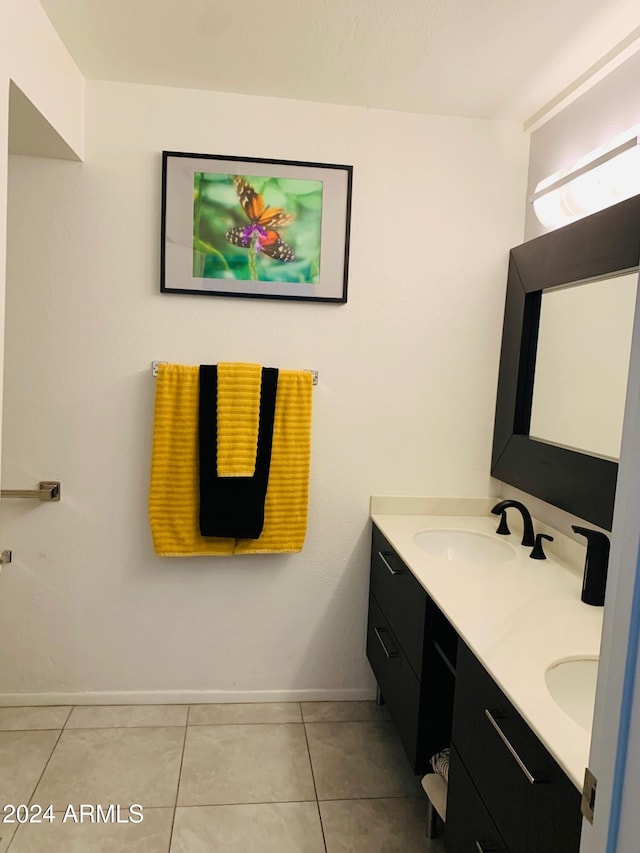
(48, 490)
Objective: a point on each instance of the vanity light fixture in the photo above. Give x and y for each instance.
(603, 177)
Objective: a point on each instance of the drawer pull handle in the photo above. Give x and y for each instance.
(378, 633)
(444, 656)
(392, 571)
(510, 747)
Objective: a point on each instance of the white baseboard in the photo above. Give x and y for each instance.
(183, 697)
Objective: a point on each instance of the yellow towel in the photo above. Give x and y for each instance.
(174, 499)
(238, 410)
(286, 504)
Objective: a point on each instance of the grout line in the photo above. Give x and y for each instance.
(89, 728)
(383, 797)
(62, 810)
(34, 707)
(175, 807)
(33, 793)
(298, 722)
(315, 788)
(15, 731)
(67, 728)
(118, 728)
(247, 704)
(130, 728)
(244, 803)
(95, 727)
(317, 722)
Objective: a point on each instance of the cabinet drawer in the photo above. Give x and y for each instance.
(400, 597)
(469, 828)
(533, 803)
(396, 680)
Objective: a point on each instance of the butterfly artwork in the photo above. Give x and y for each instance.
(260, 233)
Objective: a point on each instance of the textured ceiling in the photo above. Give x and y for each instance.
(483, 58)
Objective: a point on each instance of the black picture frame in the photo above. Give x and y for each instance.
(255, 227)
(603, 244)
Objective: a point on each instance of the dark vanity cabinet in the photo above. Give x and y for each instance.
(412, 650)
(506, 792)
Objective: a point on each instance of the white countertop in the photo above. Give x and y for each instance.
(518, 616)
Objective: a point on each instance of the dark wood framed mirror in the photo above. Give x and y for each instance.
(605, 244)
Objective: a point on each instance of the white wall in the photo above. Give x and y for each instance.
(404, 403)
(34, 57)
(43, 80)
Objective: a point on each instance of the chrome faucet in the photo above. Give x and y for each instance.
(528, 536)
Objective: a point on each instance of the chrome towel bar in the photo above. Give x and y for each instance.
(48, 490)
(154, 371)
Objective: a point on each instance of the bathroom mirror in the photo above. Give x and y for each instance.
(599, 248)
(583, 352)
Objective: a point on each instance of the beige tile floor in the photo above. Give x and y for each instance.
(310, 777)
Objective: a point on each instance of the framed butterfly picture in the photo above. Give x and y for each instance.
(254, 227)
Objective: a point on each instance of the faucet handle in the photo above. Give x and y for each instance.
(538, 553)
(503, 527)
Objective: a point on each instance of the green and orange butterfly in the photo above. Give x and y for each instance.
(263, 220)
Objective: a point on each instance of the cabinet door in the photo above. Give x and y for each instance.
(397, 681)
(533, 803)
(469, 828)
(400, 597)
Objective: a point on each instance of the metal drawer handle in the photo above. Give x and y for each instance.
(445, 657)
(510, 747)
(392, 571)
(377, 632)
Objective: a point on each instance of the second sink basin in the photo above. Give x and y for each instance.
(572, 685)
(466, 546)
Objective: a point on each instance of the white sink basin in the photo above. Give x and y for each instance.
(466, 546)
(572, 685)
